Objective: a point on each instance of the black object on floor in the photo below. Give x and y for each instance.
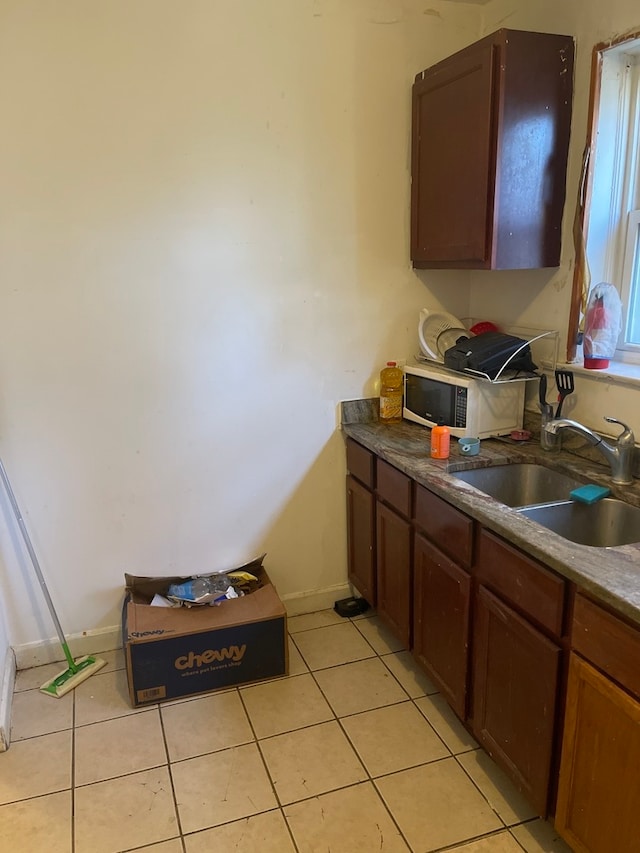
(350, 606)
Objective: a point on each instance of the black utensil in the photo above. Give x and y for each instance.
(543, 391)
(564, 381)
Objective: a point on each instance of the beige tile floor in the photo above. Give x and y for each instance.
(353, 752)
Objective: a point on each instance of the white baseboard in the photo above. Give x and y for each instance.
(8, 677)
(86, 643)
(309, 602)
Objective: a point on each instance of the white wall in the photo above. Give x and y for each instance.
(204, 242)
(540, 298)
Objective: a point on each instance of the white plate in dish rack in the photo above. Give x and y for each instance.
(438, 331)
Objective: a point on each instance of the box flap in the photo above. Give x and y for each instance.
(149, 586)
(144, 622)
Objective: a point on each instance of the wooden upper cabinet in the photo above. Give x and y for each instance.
(490, 136)
(451, 163)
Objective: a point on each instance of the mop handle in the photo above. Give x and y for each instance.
(32, 553)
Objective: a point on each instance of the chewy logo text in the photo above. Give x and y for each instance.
(145, 633)
(234, 653)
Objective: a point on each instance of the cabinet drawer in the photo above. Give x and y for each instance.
(534, 590)
(608, 642)
(394, 487)
(450, 529)
(361, 463)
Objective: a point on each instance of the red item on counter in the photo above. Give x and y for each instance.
(602, 325)
(595, 322)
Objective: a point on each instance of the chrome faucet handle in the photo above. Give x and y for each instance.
(626, 436)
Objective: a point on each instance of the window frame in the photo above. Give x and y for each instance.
(630, 291)
(581, 282)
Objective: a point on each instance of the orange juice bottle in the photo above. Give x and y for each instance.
(391, 393)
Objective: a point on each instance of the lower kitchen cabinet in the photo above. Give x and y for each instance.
(599, 792)
(598, 808)
(379, 537)
(394, 502)
(393, 553)
(517, 664)
(516, 672)
(488, 624)
(361, 514)
(361, 539)
(441, 609)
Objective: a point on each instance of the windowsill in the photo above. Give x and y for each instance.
(618, 373)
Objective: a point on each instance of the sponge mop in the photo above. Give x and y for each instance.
(78, 670)
(589, 494)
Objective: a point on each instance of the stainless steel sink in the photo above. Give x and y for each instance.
(521, 484)
(607, 523)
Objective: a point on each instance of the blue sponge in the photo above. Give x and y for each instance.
(589, 494)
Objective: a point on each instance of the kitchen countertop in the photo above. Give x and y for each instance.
(610, 574)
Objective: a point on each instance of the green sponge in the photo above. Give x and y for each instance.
(589, 494)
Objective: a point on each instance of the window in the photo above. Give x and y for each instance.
(612, 216)
(630, 284)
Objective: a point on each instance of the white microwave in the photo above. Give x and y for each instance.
(468, 406)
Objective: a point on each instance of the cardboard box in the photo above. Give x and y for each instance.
(175, 652)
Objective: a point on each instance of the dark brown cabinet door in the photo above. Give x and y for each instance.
(515, 683)
(599, 790)
(490, 137)
(393, 539)
(361, 539)
(452, 112)
(441, 605)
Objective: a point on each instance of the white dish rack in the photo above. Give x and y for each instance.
(544, 352)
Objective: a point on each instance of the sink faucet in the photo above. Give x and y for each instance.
(619, 455)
